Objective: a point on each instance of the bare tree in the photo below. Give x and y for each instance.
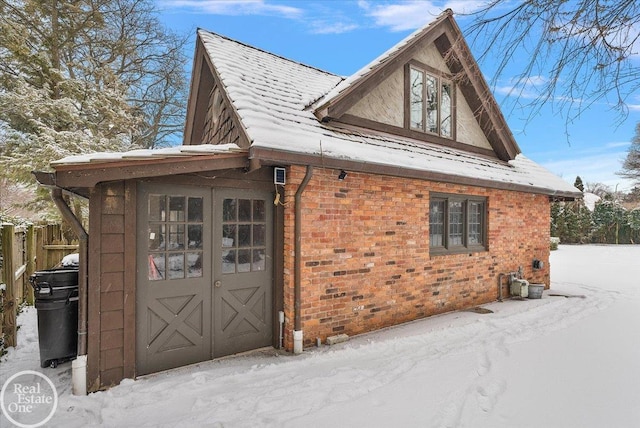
(577, 52)
(631, 165)
(86, 75)
(599, 189)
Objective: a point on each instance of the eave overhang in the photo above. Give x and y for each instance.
(268, 156)
(78, 177)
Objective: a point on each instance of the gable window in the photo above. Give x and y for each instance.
(457, 223)
(430, 99)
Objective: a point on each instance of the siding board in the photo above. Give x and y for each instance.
(111, 320)
(93, 291)
(130, 269)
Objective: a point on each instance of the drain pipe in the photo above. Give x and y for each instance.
(79, 365)
(500, 276)
(297, 325)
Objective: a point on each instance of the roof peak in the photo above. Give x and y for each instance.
(212, 33)
(381, 59)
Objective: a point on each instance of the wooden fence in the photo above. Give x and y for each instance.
(24, 250)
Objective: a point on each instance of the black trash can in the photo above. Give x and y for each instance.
(56, 294)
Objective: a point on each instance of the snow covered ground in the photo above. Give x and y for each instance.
(553, 362)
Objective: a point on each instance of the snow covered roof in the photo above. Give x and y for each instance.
(147, 154)
(590, 200)
(273, 99)
(375, 64)
(273, 96)
(79, 173)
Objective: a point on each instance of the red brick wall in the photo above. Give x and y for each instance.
(365, 252)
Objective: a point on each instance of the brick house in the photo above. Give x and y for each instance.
(302, 205)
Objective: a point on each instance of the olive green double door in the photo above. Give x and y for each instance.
(204, 280)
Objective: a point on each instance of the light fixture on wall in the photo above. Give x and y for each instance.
(342, 175)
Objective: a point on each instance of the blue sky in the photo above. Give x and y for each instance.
(343, 36)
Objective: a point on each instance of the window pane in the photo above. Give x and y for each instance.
(445, 111)
(229, 210)
(244, 235)
(176, 237)
(195, 210)
(195, 236)
(258, 260)
(475, 223)
(244, 209)
(156, 207)
(229, 261)
(416, 98)
(176, 208)
(156, 267)
(432, 104)
(176, 265)
(259, 210)
(456, 225)
(259, 235)
(156, 237)
(244, 260)
(436, 223)
(194, 265)
(228, 235)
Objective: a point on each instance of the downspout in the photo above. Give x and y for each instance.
(500, 286)
(297, 275)
(79, 365)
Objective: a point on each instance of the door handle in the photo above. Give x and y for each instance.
(217, 284)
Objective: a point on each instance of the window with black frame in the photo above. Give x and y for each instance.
(430, 98)
(457, 223)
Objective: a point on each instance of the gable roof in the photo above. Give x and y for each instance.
(276, 100)
(387, 59)
(273, 102)
(445, 34)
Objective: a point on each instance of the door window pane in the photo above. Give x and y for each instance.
(258, 260)
(195, 210)
(259, 210)
(228, 235)
(176, 208)
(156, 237)
(229, 261)
(194, 265)
(229, 210)
(244, 210)
(156, 267)
(176, 237)
(156, 207)
(176, 265)
(195, 236)
(244, 235)
(244, 260)
(258, 235)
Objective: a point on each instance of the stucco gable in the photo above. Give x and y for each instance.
(374, 97)
(385, 104)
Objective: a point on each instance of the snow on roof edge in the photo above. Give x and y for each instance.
(370, 67)
(146, 154)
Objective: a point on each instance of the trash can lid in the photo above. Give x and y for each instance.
(71, 260)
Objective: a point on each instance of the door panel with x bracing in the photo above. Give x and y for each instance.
(243, 245)
(173, 307)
